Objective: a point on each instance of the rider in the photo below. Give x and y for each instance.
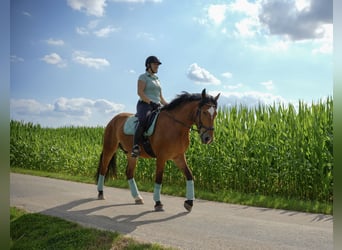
(151, 98)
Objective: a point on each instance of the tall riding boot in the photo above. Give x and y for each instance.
(137, 137)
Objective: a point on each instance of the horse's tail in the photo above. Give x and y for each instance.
(111, 170)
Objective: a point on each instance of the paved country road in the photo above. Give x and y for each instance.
(210, 225)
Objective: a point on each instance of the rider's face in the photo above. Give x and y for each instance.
(154, 67)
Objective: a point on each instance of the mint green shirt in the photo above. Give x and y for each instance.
(153, 88)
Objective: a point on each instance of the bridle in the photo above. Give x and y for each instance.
(200, 124)
(197, 120)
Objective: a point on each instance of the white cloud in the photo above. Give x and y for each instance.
(145, 35)
(107, 107)
(79, 107)
(302, 4)
(307, 21)
(249, 99)
(227, 75)
(82, 31)
(325, 48)
(247, 27)
(92, 29)
(54, 42)
(271, 46)
(104, 32)
(93, 24)
(200, 21)
(232, 87)
(326, 42)
(25, 13)
(217, 13)
(16, 59)
(201, 75)
(243, 6)
(23, 107)
(54, 59)
(90, 7)
(91, 62)
(268, 85)
(65, 111)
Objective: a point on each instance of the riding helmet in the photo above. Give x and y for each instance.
(151, 59)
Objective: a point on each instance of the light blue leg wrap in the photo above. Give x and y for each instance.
(133, 187)
(100, 182)
(156, 194)
(190, 192)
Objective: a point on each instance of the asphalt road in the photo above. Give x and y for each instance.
(210, 225)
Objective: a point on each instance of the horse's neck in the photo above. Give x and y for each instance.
(186, 113)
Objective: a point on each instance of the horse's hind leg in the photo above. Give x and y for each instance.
(100, 180)
(131, 182)
(106, 160)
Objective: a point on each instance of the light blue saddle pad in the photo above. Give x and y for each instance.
(131, 123)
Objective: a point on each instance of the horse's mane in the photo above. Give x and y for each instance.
(186, 97)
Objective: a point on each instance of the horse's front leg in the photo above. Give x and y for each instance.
(158, 184)
(190, 191)
(131, 182)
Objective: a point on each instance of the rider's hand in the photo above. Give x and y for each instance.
(154, 105)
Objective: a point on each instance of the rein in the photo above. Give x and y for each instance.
(199, 125)
(176, 120)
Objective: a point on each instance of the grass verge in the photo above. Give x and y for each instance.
(39, 231)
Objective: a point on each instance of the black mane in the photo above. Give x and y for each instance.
(186, 97)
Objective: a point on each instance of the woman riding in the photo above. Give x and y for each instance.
(150, 99)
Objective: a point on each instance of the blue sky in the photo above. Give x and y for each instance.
(76, 62)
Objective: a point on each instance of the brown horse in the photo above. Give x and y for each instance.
(169, 141)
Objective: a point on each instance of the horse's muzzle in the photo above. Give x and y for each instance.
(206, 138)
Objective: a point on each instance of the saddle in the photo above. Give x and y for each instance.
(131, 124)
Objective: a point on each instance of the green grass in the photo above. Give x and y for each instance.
(38, 231)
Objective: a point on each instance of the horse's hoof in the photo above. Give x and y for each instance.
(100, 196)
(188, 205)
(158, 207)
(139, 201)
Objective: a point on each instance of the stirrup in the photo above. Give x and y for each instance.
(135, 151)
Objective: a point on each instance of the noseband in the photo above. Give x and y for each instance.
(200, 125)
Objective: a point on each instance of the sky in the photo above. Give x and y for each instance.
(76, 62)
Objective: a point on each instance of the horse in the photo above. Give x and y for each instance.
(169, 141)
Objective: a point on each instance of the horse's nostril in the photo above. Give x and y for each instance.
(207, 139)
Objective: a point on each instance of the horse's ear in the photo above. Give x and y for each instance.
(217, 97)
(203, 94)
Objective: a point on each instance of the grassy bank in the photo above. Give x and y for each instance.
(38, 231)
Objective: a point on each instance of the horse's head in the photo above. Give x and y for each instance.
(205, 116)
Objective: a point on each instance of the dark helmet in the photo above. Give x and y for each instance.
(151, 59)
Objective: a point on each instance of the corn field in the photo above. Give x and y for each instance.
(268, 150)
